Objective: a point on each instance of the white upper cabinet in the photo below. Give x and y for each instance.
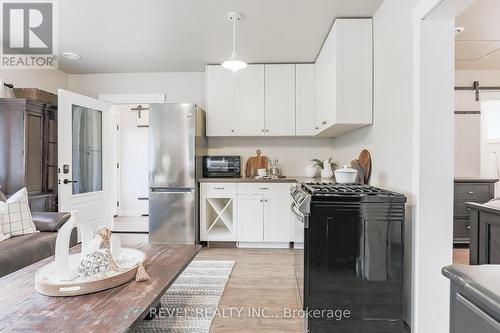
(344, 78)
(250, 106)
(328, 98)
(221, 120)
(280, 100)
(355, 72)
(305, 120)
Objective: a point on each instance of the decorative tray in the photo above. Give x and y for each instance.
(48, 283)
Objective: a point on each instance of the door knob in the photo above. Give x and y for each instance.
(67, 181)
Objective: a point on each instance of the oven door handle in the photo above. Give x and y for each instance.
(304, 218)
(296, 212)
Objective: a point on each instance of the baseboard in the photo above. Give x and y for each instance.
(225, 245)
(262, 245)
(298, 245)
(130, 212)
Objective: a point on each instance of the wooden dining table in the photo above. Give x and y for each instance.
(119, 309)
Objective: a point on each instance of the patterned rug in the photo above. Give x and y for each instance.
(190, 304)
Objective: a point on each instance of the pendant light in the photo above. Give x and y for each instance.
(234, 63)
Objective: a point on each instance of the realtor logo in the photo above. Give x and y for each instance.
(28, 34)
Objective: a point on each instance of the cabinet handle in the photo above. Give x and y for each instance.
(468, 209)
(265, 200)
(267, 131)
(232, 131)
(218, 188)
(261, 200)
(263, 188)
(317, 127)
(468, 227)
(263, 130)
(323, 122)
(470, 193)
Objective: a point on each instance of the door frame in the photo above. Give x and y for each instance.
(433, 142)
(120, 99)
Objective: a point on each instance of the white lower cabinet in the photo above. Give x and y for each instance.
(252, 214)
(251, 218)
(218, 212)
(277, 220)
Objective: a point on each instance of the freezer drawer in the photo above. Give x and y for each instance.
(172, 216)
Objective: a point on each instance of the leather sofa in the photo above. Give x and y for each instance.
(21, 251)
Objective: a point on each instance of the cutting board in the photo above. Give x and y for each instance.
(365, 160)
(256, 162)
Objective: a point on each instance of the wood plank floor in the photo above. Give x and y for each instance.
(461, 256)
(262, 279)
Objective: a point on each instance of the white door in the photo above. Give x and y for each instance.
(280, 100)
(85, 158)
(250, 101)
(220, 101)
(277, 219)
(250, 218)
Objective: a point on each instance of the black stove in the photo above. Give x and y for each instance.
(352, 263)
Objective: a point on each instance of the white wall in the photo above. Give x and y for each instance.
(293, 153)
(185, 87)
(44, 79)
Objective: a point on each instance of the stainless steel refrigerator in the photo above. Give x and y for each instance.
(177, 144)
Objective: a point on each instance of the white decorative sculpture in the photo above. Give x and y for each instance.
(327, 171)
(63, 277)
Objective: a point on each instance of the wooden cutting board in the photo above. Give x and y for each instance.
(256, 162)
(365, 160)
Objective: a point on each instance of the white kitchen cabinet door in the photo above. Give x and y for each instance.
(250, 106)
(305, 120)
(220, 83)
(277, 219)
(280, 99)
(250, 218)
(354, 71)
(325, 81)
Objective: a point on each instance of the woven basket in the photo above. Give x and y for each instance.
(36, 94)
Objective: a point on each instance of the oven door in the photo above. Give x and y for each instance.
(300, 265)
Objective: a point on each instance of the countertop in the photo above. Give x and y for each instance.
(475, 180)
(479, 283)
(291, 179)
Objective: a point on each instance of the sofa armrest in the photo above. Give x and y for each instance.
(50, 222)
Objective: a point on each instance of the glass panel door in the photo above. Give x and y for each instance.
(86, 149)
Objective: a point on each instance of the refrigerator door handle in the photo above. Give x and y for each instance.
(172, 190)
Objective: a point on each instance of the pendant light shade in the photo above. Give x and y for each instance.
(234, 63)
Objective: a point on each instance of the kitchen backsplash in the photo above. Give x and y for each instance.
(293, 153)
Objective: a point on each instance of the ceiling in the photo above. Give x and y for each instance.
(478, 47)
(184, 35)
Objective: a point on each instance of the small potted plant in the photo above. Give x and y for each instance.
(312, 169)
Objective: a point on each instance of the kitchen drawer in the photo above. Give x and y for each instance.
(473, 192)
(263, 188)
(218, 187)
(461, 230)
(460, 209)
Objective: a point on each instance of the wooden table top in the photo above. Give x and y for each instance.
(113, 310)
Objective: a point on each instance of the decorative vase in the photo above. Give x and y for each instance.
(311, 171)
(327, 171)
